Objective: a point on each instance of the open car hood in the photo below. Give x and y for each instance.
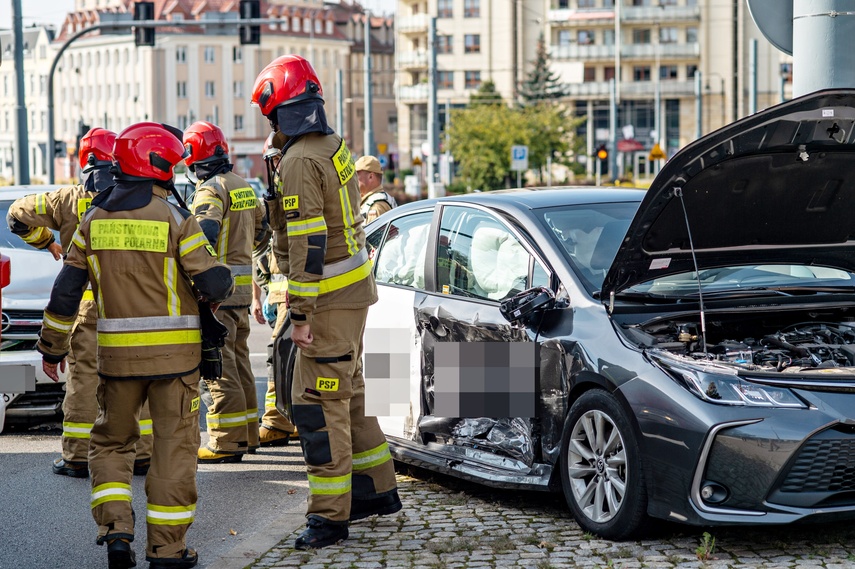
(775, 187)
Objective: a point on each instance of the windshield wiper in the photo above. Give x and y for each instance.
(780, 290)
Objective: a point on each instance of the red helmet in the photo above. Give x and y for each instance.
(285, 80)
(96, 146)
(149, 150)
(204, 142)
(273, 145)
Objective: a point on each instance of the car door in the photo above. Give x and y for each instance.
(479, 372)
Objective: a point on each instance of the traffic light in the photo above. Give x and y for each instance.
(603, 152)
(82, 129)
(144, 36)
(60, 149)
(250, 34)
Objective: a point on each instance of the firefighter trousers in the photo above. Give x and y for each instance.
(79, 405)
(272, 418)
(347, 457)
(171, 482)
(233, 417)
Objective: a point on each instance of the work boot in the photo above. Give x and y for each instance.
(381, 506)
(187, 560)
(274, 437)
(120, 555)
(72, 469)
(208, 456)
(141, 466)
(252, 449)
(320, 534)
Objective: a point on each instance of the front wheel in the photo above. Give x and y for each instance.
(601, 468)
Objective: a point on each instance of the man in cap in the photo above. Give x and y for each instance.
(375, 202)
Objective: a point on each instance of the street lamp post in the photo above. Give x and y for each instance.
(721, 95)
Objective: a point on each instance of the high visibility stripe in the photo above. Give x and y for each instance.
(241, 269)
(41, 204)
(62, 326)
(270, 401)
(223, 240)
(372, 457)
(303, 289)
(170, 515)
(329, 485)
(110, 492)
(35, 235)
(210, 200)
(192, 243)
(311, 225)
(251, 415)
(141, 339)
(243, 280)
(170, 279)
(347, 218)
(95, 265)
(146, 427)
(188, 322)
(88, 295)
(347, 265)
(277, 286)
(226, 420)
(77, 239)
(76, 430)
(347, 279)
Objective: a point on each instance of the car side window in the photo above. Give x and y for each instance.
(401, 259)
(372, 241)
(479, 257)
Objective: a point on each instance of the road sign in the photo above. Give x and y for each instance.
(384, 162)
(381, 148)
(656, 153)
(519, 158)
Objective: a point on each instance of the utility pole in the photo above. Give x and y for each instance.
(369, 119)
(699, 109)
(22, 148)
(339, 114)
(433, 118)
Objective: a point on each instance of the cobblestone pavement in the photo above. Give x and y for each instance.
(447, 523)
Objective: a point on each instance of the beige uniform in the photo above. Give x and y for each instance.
(61, 210)
(234, 222)
(320, 245)
(139, 263)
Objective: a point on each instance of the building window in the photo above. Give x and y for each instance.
(42, 84)
(563, 37)
(608, 73)
(238, 89)
(585, 37)
(238, 122)
(563, 4)
(445, 79)
(209, 89)
(608, 37)
(668, 35)
(181, 54)
(668, 72)
(471, 8)
(445, 9)
(307, 25)
(590, 74)
(641, 73)
(690, 71)
(692, 35)
(641, 35)
(295, 23)
(473, 79)
(209, 54)
(445, 44)
(183, 122)
(237, 54)
(472, 43)
(210, 119)
(587, 3)
(318, 27)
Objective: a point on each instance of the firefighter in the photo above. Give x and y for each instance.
(31, 218)
(234, 222)
(320, 245)
(139, 253)
(375, 202)
(275, 429)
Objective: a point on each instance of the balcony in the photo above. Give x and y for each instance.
(654, 14)
(581, 52)
(412, 60)
(414, 93)
(570, 17)
(647, 51)
(632, 89)
(417, 24)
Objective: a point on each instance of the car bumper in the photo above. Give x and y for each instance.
(26, 392)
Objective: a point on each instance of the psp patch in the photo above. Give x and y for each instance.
(327, 384)
(290, 202)
(194, 404)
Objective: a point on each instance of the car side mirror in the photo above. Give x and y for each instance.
(521, 307)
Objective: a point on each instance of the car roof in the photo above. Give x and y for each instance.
(16, 192)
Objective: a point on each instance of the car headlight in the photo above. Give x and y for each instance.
(720, 384)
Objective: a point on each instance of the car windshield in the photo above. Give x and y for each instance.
(747, 278)
(590, 235)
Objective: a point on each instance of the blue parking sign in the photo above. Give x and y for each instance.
(519, 158)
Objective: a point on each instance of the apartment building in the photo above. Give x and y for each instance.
(37, 60)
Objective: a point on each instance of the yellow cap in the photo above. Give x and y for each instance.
(370, 164)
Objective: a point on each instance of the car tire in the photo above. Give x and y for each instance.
(601, 473)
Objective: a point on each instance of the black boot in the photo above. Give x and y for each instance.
(120, 555)
(320, 534)
(381, 506)
(187, 560)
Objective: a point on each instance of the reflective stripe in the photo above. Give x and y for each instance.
(241, 269)
(303, 289)
(170, 515)
(35, 235)
(209, 200)
(277, 286)
(347, 218)
(146, 427)
(270, 401)
(110, 492)
(243, 280)
(192, 243)
(226, 420)
(347, 265)
(170, 279)
(96, 270)
(62, 326)
(140, 339)
(148, 323)
(329, 486)
(251, 415)
(311, 225)
(346, 279)
(88, 295)
(77, 239)
(223, 240)
(76, 430)
(372, 457)
(41, 204)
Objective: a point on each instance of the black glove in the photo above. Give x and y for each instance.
(211, 367)
(213, 338)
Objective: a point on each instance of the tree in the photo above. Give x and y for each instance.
(541, 84)
(486, 95)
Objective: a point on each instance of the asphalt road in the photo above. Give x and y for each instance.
(45, 520)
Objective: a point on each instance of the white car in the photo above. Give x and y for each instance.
(23, 302)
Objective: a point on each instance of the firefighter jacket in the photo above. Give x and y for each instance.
(234, 222)
(34, 216)
(320, 243)
(140, 263)
(375, 204)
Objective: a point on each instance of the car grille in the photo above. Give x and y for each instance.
(825, 463)
(16, 323)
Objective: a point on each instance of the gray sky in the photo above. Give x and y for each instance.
(54, 11)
